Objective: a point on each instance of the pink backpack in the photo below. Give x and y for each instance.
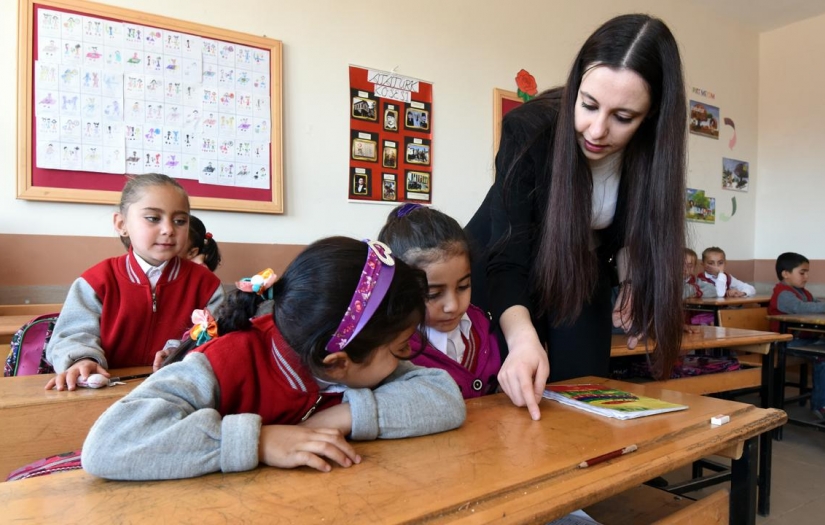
(28, 348)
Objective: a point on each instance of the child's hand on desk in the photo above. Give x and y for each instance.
(289, 446)
(689, 329)
(159, 358)
(68, 379)
(338, 417)
(735, 293)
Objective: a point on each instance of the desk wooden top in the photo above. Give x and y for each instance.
(500, 464)
(706, 337)
(28, 391)
(812, 319)
(728, 301)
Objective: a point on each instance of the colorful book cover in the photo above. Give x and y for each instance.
(609, 402)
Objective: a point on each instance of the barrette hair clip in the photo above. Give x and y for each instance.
(406, 209)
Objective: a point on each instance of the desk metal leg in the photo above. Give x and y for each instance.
(780, 385)
(766, 439)
(743, 486)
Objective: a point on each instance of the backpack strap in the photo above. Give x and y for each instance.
(33, 339)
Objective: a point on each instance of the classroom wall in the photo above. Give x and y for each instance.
(791, 136)
(466, 48)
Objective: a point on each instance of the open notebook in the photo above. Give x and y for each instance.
(609, 402)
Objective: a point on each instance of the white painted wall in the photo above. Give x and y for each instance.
(466, 48)
(791, 141)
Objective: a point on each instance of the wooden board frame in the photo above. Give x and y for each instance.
(25, 111)
(499, 96)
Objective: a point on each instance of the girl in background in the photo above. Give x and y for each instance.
(286, 389)
(202, 247)
(458, 334)
(122, 310)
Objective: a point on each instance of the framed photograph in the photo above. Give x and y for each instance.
(418, 181)
(699, 207)
(360, 182)
(390, 157)
(417, 119)
(734, 175)
(390, 118)
(363, 149)
(417, 152)
(704, 119)
(365, 108)
(389, 187)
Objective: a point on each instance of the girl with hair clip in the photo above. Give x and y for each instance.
(202, 247)
(458, 333)
(122, 310)
(590, 180)
(286, 389)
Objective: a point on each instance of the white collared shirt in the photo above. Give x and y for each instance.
(450, 343)
(153, 273)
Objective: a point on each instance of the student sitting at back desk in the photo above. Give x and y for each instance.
(713, 259)
(791, 297)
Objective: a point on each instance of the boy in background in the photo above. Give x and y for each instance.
(713, 259)
(694, 287)
(791, 297)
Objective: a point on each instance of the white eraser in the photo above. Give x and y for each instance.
(719, 420)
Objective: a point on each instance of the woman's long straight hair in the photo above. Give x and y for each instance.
(653, 169)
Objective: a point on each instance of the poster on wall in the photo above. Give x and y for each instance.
(390, 142)
(123, 98)
(699, 207)
(734, 174)
(704, 119)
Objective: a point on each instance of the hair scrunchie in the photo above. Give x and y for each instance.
(204, 328)
(260, 283)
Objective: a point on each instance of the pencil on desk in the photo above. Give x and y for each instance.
(609, 455)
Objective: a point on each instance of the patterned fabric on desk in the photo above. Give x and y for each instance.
(50, 465)
(686, 366)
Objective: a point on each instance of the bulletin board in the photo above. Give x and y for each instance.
(391, 137)
(503, 102)
(198, 103)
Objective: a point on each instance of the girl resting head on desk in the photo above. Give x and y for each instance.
(286, 389)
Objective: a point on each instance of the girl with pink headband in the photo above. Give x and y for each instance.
(286, 389)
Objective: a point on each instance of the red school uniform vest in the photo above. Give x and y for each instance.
(803, 295)
(135, 323)
(259, 373)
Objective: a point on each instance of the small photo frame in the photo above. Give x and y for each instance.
(417, 153)
(699, 207)
(391, 119)
(389, 187)
(360, 184)
(417, 119)
(363, 149)
(418, 181)
(704, 119)
(365, 108)
(390, 157)
(735, 175)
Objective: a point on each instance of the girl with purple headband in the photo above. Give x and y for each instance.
(459, 339)
(286, 389)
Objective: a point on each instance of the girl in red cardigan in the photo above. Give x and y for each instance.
(120, 312)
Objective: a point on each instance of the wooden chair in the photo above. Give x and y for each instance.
(756, 319)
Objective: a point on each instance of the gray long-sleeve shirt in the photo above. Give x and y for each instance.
(169, 427)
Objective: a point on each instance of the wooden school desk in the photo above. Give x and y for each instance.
(499, 466)
(13, 316)
(795, 322)
(714, 304)
(37, 423)
(741, 340)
